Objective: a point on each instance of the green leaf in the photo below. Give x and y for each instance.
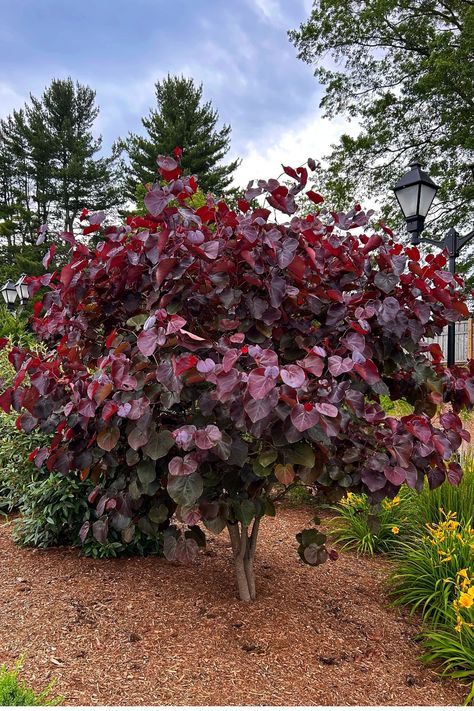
(134, 490)
(239, 453)
(267, 457)
(215, 525)
(185, 490)
(137, 321)
(128, 534)
(300, 453)
(245, 511)
(159, 444)
(146, 471)
(132, 457)
(158, 514)
(269, 508)
(260, 470)
(309, 536)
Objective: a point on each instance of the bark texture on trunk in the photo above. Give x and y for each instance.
(243, 547)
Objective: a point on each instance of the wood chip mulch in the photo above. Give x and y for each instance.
(148, 632)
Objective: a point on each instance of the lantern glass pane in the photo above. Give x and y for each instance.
(9, 292)
(22, 288)
(426, 198)
(408, 199)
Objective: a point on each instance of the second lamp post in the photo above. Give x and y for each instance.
(415, 192)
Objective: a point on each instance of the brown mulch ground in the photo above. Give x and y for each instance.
(148, 632)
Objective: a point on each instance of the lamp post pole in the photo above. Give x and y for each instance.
(452, 243)
(415, 192)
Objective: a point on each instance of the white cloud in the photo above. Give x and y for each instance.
(9, 99)
(311, 138)
(270, 11)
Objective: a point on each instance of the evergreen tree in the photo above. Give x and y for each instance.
(59, 127)
(49, 170)
(182, 120)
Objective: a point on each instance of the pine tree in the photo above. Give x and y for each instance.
(182, 120)
(49, 171)
(60, 126)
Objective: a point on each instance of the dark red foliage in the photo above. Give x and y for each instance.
(196, 357)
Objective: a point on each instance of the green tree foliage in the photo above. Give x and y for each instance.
(403, 70)
(182, 120)
(49, 170)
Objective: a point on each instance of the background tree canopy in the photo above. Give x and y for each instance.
(181, 119)
(50, 170)
(404, 71)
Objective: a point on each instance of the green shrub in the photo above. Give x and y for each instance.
(14, 325)
(396, 408)
(52, 511)
(142, 544)
(17, 473)
(369, 529)
(300, 495)
(13, 692)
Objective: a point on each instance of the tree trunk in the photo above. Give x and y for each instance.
(243, 548)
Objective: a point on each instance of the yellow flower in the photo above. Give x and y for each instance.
(451, 525)
(447, 559)
(466, 600)
(396, 501)
(395, 530)
(463, 573)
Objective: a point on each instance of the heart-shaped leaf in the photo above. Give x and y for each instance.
(185, 490)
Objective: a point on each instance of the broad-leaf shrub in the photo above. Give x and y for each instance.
(197, 356)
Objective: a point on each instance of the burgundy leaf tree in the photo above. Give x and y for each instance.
(197, 357)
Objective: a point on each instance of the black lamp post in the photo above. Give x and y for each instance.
(415, 192)
(9, 293)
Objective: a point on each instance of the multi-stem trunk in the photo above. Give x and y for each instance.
(243, 548)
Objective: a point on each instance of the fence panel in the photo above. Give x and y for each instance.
(464, 342)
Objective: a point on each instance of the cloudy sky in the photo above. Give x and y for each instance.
(238, 49)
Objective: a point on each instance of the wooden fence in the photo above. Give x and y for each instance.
(464, 343)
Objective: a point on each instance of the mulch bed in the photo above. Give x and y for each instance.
(148, 632)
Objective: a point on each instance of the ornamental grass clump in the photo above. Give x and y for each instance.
(431, 504)
(427, 571)
(436, 577)
(369, 529)
(197, 356)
